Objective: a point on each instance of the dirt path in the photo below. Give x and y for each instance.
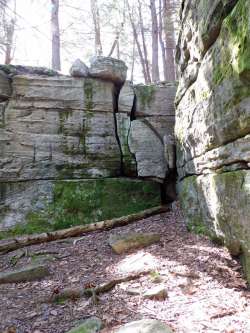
(206, 292)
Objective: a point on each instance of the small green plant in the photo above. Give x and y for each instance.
(198, 227)
(155, 277)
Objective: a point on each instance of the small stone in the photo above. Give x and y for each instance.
(123, 243)
(158, 293)
(53, 313)
(145, 326)
(79, 69)
(24, 274)
(133, 291)
(90, 325)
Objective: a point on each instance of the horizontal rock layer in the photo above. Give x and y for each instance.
(213, 119)
(55, 127)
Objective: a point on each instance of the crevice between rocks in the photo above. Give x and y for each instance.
(215, 170)
(116, 94)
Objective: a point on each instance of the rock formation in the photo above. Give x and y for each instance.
(213, 120)
(57, 128)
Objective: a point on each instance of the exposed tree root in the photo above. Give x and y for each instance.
(17, 243)
(75, 293)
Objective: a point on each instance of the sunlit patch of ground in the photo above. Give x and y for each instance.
(206, 291)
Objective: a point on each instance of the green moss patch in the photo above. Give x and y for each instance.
(145, 94)
(83, 202)
(235, 55)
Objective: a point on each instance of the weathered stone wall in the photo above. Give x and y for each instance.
(55, 128)
(213, 119)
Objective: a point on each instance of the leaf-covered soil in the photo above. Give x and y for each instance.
(206, 291)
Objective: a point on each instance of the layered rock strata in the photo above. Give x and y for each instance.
(213, 120)
(55, 128)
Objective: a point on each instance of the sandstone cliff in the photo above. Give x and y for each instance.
(213, 120)
(55, 128)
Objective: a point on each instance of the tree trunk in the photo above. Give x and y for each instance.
(10, 29)
(137, 42)
(56, 57)
(163, 49)
(17, 243)
(8, 22)
(96, 21)
(155, 62)
(144, 43)
(169, 39)
(133, 62)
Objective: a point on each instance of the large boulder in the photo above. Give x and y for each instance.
(108, 69)
(79, 69)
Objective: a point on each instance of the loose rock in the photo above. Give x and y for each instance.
(109, 69)
(145, 326)
(123, 243)
(24, 274)
(79, 69)
(158, 293)
(91, 325)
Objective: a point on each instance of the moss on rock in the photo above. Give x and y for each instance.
(145, 94)
(89, 201)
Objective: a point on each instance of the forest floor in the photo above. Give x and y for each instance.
(206, 291)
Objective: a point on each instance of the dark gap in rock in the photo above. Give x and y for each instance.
(116, 94)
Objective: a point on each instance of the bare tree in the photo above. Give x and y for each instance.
(96, 21)
(155, 62)
(168, 8)
(145, 51)
(137, 42)
(56, 56)
(162, 44)
(8, 26)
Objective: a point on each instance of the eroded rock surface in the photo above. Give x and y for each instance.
(95, 125)
(213, 120)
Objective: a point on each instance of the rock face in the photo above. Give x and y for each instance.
(55, 128)
(5, 87)
(213, 120)
(152, 119)
(59, 127)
